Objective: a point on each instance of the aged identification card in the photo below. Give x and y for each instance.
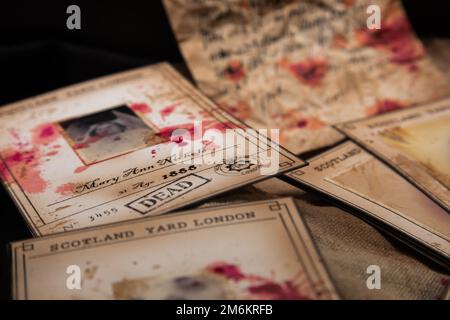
(258, 250)
(126, 146)
(303, 66)
(415, 142)
(353, 176)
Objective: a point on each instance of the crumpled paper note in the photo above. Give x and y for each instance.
(302, 66)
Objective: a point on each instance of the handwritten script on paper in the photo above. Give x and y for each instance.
(302, 66)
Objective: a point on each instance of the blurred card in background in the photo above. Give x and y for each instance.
(415, 142)
(257, 250)
(302, 66)
(354, 177)
(124, 147)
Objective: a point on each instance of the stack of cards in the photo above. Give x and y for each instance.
(402, 181)
(357, 179)
(85, 162)
(109, 151)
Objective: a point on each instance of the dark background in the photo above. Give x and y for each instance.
(38, 53)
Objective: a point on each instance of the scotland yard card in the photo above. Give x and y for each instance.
(415, 142)
(126, 146)
(259, 250)
(353, 176)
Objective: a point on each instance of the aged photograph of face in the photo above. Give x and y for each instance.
(106, 134)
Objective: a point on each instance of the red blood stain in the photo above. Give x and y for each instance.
(210, 146)
(385, 106)
(167, 111)
(167, 132)
(240, 110)
(275, 291)
(444, 282)
(311, 123)
(227, 270)
(259, 287)
(309, 72)
(4, 173)
(303, 123)
(65, 189)
(234, 71)
(222, 127)
(80, 169)
(397, 38)
(348, 3)
(44, 134)
(51, 153)
(141, 107)
(24, 166)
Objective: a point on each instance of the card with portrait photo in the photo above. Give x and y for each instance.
(126, 146)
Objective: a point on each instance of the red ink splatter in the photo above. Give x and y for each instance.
(141, 107)
(24, 166)
(397, 38)
(234, 71)
(167, 111)
(65, 189)
(80, 169)
(309, 72)
(44, 134)
(385, 106)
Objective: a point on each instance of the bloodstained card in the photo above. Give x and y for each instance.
(303, 66)
(355, 177)
(415, 142)
(258, 250)
(124, 147)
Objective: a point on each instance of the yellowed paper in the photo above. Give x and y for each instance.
(110, 150)
(415, 142)
(353, 176)
(304, 65)
(257, 250)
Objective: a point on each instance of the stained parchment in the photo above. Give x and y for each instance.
(302, 66)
